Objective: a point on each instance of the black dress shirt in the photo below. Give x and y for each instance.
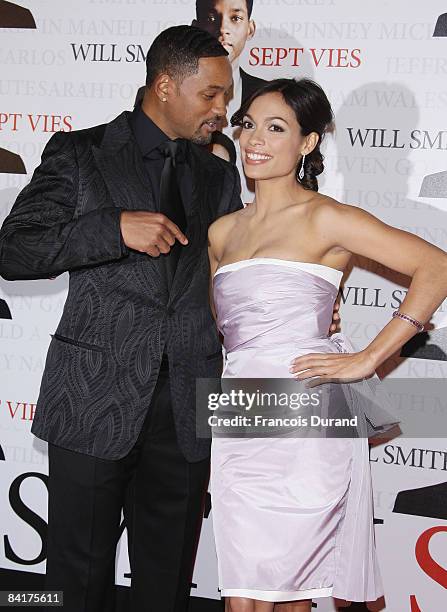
(149, 136)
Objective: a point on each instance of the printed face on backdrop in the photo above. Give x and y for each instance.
(228, 21)
(427, 345)
(5, 312)
(441, 26)
(271, 141)
(15, 16)
(434, 185)
(425, 501)
(198, 103)
(11, 163)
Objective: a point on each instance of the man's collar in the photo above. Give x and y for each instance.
(147, 134)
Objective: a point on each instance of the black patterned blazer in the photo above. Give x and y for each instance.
(119, 316)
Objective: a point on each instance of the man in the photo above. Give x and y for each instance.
(425, 501)
(231, 23)
(434, 185)
(11, 163)
(441, 26)
(5, 313)
(14, 16)
(117, 400)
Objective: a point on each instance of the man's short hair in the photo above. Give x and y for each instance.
(177, 50)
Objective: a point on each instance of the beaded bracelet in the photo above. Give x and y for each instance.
(404, 317)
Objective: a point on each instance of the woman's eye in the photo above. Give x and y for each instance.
(237, 18)
(208, 97)
(247, 125)
(276, 128)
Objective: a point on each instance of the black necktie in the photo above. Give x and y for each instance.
(171, 203)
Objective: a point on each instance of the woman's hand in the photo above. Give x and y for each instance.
(341, 367)
(336, 319)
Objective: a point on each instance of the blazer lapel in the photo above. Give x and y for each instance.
(121, 165)
(200, 209)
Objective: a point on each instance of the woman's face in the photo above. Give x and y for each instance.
(271, 141)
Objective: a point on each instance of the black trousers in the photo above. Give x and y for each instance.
(162, 496)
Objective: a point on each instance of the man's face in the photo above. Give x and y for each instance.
(228, 21)
(199, 102)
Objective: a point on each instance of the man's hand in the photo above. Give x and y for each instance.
(149, 232)
(336, 321)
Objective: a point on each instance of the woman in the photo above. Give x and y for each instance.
(293, 516)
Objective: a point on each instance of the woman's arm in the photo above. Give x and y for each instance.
(359, 232)
(213, 267)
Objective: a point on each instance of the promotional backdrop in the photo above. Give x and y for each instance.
(70, 65)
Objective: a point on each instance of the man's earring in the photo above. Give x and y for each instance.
(163, 99)
(301, 172)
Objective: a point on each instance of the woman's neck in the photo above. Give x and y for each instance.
(275, 194)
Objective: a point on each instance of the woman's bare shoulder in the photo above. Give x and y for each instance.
(224, 224)
(219, 231)
(327, 209)
(341, 221)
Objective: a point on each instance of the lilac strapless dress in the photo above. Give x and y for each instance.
(293, 517)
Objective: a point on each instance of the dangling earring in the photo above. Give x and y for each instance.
(301, 172)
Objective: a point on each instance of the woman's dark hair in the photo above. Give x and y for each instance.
(313, 113)
(177, 51)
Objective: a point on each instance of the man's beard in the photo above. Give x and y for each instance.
(199, 139)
